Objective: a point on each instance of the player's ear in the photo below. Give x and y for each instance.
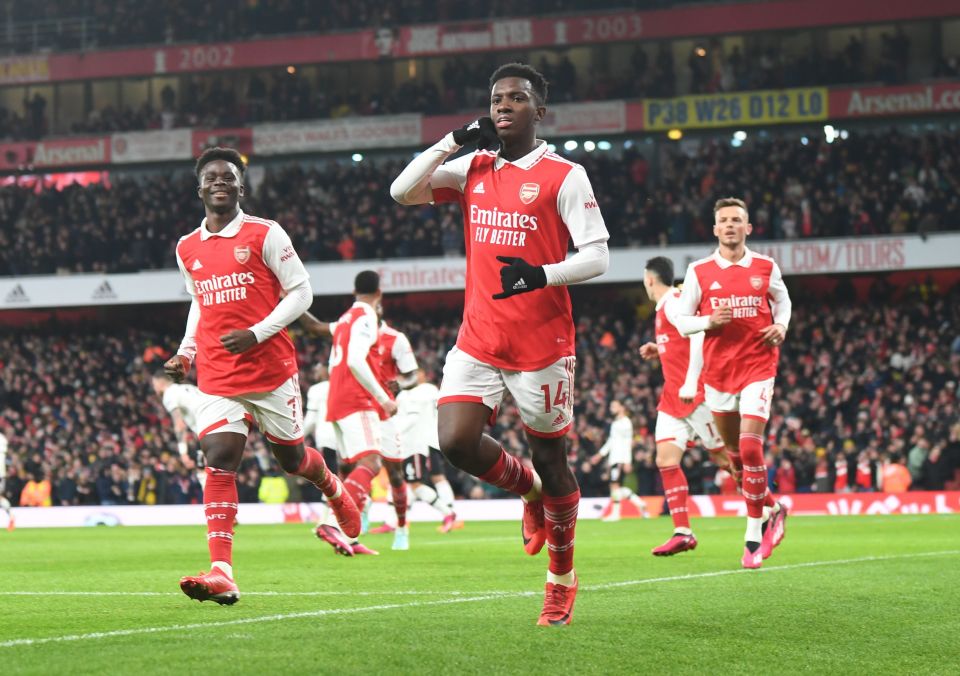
(540, 114)
(749, 227)
(241, 188)
(199, 191)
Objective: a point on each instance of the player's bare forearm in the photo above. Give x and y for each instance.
(314, 326)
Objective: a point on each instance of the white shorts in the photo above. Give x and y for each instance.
(278, 414)
(544, 397)
(390, 447)
(752, 402)
(680, 431)
(358, 434)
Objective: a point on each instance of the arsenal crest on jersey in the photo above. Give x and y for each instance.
(756, 282)
(242, 254)
(529, 192)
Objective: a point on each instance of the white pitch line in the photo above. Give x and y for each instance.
(465, 599)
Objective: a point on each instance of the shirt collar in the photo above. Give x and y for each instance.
(230, 230)
(527, 161)
(724, 263)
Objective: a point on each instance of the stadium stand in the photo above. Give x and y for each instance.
(874, 380)
(873, 182)
(230, 99)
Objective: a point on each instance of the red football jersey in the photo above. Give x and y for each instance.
(395, 355)
(347, 395)
(236, 276)
(734, 355)
(529, 208)
(674, 349)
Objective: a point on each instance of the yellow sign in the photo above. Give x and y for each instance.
(22, 69)
(774, 106)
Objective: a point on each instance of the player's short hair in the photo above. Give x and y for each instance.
(522, 70)
(226, 154)
(729, 202)
(662, 267)
(366, 283)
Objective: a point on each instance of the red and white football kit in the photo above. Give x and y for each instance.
(235, 276)
(529, 208)
(356, 395)
(739, 368)
(394, 356)
(681, 360)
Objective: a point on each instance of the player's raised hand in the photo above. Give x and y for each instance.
(390, 407)
(720, 317)
(481, 131)
(239, 340)
(773, 335)
(649, 351)
(177, 367)
(517, 276)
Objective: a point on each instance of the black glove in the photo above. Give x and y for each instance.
(481, 131)
(518, 276)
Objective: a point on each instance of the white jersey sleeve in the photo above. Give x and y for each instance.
(782, 305)
(579, 209)
(363, 335)
(428, 172)
(683, 312)
(283, 261)
(403, 355)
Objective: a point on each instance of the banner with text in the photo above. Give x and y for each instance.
(902, 101)
(24, 69)
(152, 146)
(474, 36)
(703, 506)
(352, 133)
(798, 257)
(780, 106)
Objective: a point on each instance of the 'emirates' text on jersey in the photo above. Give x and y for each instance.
(236, 276)
(674, 350)
(347, 395)
(530, 208)
(734, 355)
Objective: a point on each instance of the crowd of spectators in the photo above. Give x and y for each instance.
(227, 100)
(89, 24)
(868, 385)
(869, 183)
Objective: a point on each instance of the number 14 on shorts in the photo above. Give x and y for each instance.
(560, 396)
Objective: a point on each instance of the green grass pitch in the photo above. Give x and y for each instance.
(106, 601)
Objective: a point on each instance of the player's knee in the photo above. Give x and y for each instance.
(456, 445)
(371, 462)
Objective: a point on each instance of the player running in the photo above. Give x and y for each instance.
(417, 424)
(618, 450)
(744, 309)
(235, 267)
(181, 401)
(4, 503)
(681, 412)
(357, 400)
(522, 204)
(315, 423)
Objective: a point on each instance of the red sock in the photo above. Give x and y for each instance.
(560, 516)
(754, 473)
(768, 500)
(220, 507)
(399, 495)
(357, 484)
(735, 460)
(314, 469)
(507, 473)
(675, 491)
